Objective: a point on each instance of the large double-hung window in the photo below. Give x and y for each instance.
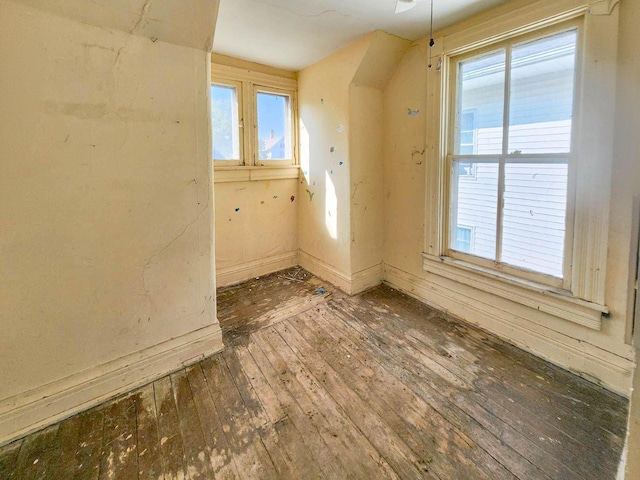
(509, 154)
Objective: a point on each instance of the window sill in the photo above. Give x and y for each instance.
(240, 173)
(540, 297)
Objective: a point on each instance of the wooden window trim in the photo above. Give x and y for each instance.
(507, 45)
(249, 168)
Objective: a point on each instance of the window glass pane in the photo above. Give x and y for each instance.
(466, 138)
(274, 127)
(481, 104)
(541, 105)
(535, 199)
(224, 123)
(474, 206)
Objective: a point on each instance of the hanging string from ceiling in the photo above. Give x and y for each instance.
(431, 40)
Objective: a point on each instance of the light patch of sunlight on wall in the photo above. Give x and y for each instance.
(305, 149)
(331, 207)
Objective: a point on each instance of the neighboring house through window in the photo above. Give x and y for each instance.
(464, 239)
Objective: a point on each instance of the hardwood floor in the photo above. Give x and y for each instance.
(316, 384)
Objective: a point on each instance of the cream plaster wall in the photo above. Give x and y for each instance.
(367, 227)
(106, 208)
(601, 355)
(626, 180)
(404, 166)
(341, 210)
(256, 228)
(181, 22)
(324, 212)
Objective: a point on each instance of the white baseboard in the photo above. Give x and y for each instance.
(352, 285)
(324, 271)
(245, 271)
(497, 317)
(367, 278)
(51, 403)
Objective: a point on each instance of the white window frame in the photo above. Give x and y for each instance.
(238, 86)
(250, 167)
(502, 158)
(584, 302)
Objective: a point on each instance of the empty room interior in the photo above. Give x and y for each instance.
(319, 239)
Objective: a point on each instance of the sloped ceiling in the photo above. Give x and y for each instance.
(189, 23)
(294, 34)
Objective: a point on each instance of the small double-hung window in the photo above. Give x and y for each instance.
(510, 155)
(252, 125)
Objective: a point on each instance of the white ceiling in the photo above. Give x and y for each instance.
(294, 34)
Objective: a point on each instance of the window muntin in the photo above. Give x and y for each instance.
(226, 123)
(274, 126)
(517, 201)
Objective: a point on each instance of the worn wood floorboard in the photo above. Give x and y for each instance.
(513, 387)
(220, 457)
(283, 462)
(536, 374)
(387, 376)
(499, 403)
(34, 453)
(450, 400)
(249, 453)
(406, 409)
(88, 450)
(195, 448)
(316, 384)
(150, 464)
(119, 448)
(171, 445)
(8, 458)
(288, 436)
